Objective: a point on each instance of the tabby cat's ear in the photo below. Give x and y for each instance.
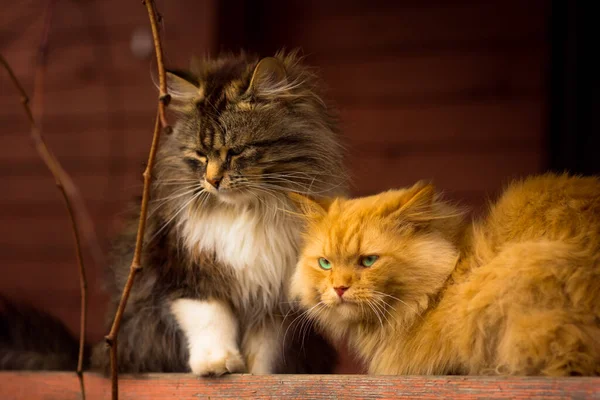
(414, 204)
(182, 88)
(310, 208)
(269, 74)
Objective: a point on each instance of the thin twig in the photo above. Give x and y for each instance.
(164, 97)
(111, 338)
(70, 194)
(38, 107)
(161, 121)
(86, 224)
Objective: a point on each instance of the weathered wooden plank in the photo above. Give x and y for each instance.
(83, 96)
(467, 171)
(33, 277)
(400, 80)
(63, 302)
(434, 79)
(452, 124)
(81, 142)
(383, 25)
(106, 22)
(64, 386)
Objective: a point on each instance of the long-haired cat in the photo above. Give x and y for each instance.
(220, 245)
(416, 290)
(221, 241)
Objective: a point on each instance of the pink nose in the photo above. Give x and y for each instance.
(214, 182)
(340, 290)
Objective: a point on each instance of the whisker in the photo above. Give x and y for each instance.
(303, 315)
(368, 303)
(165, 200)
(394, 317)
(175, 215)
(401, 301)
(384, 311)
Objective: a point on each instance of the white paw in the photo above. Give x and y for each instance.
(216, 361)
(211, 330)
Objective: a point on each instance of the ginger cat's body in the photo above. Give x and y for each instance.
(415, 290)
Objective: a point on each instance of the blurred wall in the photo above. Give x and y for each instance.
(452, 91)
(449, 90)
(100, 103)
(574, 131)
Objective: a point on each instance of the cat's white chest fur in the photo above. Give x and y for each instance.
(260, 248)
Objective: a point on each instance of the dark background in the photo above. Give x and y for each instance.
(468, 93)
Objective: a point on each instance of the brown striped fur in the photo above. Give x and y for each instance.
(261, 132)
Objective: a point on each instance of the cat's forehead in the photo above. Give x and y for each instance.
(224, 79)
(341, 232)
(233, 128)
(354, 226)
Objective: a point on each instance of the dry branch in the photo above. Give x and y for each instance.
(74, 204)
(161, 121)
(86, 224)
(164, 97)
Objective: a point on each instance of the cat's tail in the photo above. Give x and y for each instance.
(33, 340)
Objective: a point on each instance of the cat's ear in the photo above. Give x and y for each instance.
(182, 88)
(419, 203)
(414, 204)
(309, 207)
(269, 74)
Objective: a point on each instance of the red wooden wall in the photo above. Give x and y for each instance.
(452, 91)
(100, 103)
(449, 90)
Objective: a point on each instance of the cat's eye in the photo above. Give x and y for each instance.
(368, 261)
(200, 154)
(324, 263)
(233, 152)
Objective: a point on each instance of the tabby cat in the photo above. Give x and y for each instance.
(221, 243)
(417, 290)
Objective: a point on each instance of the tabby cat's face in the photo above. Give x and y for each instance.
(364, 256)
(243, 154)
(248, 133)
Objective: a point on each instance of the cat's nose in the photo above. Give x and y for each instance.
(340, 290)
(214, 182)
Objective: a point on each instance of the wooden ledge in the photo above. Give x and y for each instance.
(65, 386)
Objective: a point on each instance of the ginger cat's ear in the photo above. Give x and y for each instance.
(182, 88)
(419, 203)
(269, 74)
(310, 208)
(414, 204)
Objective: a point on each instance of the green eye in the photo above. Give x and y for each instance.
(324, 263)
(368, 261)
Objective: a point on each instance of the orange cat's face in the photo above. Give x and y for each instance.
(364, 256)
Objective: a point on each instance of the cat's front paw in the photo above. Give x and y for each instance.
(216, 361)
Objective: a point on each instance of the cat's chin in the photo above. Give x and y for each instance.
(233, 197)
(230, 198)
(244, 198)
(346, 311)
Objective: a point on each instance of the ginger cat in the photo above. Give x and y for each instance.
(416, 290)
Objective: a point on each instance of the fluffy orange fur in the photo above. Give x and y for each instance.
(517, 292)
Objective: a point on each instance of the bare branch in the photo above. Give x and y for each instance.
(72, 198)
(86, 224)
(164, 97)
(161, 121)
